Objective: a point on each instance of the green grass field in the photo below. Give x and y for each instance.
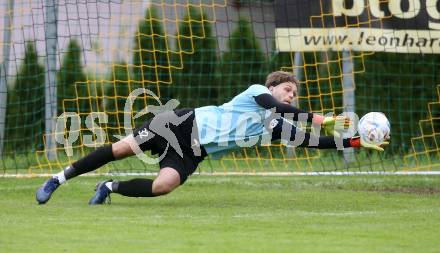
(229, 214)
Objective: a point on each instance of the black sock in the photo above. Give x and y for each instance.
(137, 187)
(90, 162)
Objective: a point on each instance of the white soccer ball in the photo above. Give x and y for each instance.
(374, 128)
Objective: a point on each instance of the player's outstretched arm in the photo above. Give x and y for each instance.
(308, 140)
(330, 124)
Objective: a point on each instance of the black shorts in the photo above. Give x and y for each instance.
(170, 137)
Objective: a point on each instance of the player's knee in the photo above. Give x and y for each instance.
(122, 149)
(162, 188)
(117, 151)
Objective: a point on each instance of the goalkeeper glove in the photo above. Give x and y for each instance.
(358, 142)
(335, 125)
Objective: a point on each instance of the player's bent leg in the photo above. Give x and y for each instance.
(167, 180)
(123, 148)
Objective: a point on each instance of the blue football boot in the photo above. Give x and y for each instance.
(102, 194)
(45, 191)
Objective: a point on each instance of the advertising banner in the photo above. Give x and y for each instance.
(401, 26)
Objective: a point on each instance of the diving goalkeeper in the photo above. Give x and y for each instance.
(184, 137)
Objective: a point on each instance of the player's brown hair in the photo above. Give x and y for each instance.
(278, 77)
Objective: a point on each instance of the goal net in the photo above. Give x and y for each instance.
(69, 66)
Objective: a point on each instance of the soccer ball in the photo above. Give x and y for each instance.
(374, 128)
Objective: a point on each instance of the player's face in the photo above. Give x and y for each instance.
(284, 92)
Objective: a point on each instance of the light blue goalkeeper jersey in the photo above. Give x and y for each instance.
(239, 122)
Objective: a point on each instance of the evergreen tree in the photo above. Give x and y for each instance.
(25, 103)
(117, 94)
(151, 63)
(71, 72)
(74, 92)
(196, 84)
(150, 59)
(244, 64)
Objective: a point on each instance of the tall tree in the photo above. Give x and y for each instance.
(196, 84)
(70, 73)
(244, 64)
(117, 94)
(75, 92)
(151, 63)
(25, 115)
(151, 57)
